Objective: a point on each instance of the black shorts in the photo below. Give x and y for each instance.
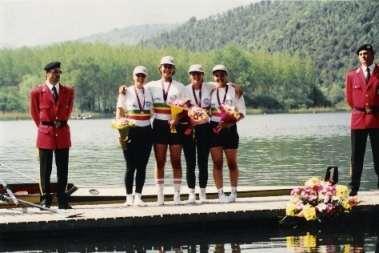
(227, 138)
(162, 133)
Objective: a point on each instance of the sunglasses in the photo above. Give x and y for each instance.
(168, 66)
(140, 75)
(56, 72)
(195, 73)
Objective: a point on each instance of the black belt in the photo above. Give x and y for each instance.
(55, 123)
(367, 110)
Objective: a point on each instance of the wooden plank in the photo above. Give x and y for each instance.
(117, 215)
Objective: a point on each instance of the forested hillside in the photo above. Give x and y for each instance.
(129, 35)
(327, 31)
(284, 54)
(96, 71)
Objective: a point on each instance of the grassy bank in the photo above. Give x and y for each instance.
(14, 115)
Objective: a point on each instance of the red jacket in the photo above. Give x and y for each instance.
(363, 96)
(44, 109)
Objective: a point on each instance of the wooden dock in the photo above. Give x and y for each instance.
(247, 210)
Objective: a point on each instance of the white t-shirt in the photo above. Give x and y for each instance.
(161, 107)
(206, 89)
(230, 99)
(129, 102)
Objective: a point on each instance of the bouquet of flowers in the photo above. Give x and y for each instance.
(123, 127)
(228, 115)
(198, 115)
(178, 111)
(318, 199)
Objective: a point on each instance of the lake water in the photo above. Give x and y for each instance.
(279, 149)
(276, 149)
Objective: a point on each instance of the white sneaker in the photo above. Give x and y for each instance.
(129, 200)
(160, 195)
(177, 198)
(232, 197)
(191, 198)
(160, 199)
(222, 198)
(203, 196)
(138, 200)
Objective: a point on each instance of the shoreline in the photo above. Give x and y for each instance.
(4, 116)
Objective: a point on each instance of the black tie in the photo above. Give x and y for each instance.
(368, 74)
(55, 93)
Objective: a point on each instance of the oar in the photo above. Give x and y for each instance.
(26, 203)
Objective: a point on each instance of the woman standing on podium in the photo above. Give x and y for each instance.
(197, 145)
(134, 106)
(166, 91)
(224, 138)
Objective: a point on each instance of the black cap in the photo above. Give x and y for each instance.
(367, 47)
(52, 65)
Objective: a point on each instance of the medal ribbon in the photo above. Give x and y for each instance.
(140, 105)
(218, 95)
(194, 95)
(165, 93)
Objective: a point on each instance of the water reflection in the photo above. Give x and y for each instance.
(191, 241)
(332, 243)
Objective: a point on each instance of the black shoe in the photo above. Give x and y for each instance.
(353, 193)
(46, 201)
(64, 206)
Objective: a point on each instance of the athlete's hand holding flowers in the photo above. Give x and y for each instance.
(229, 115)
(198, 115)
(179, 110)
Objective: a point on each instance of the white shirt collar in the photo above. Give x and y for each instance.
(51, 86)
(371, 68)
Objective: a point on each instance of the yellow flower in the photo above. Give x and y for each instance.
(123, 129)
(346, 205)
(290, 209)
(117, 124)
(313, 181)
(175, 111)
(341, 191)
(309, 212)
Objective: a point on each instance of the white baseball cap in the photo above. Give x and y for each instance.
(140, 70)
(219, 67)
(195, 68)
(167, 60)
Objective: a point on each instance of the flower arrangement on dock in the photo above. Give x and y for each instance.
(318, 199)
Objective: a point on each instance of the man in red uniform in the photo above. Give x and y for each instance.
(362, 95)
(50, 107)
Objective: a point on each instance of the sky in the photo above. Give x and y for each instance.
(40, 22)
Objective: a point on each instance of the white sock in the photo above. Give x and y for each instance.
(220, 192)
(234, 190)
(177, 184)
(160, 188)
(177, 187)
